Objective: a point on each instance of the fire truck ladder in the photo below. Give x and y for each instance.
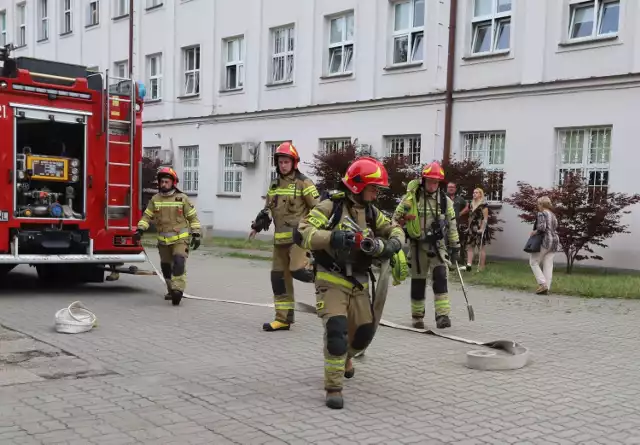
(117, 126)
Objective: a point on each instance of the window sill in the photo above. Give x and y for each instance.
(152, 101)
(92, 25)
(494, 205)
(337, 77)
(20, 47)
(65, 34)
(502, 54)
(274, 85)
(120, 17)
(193, 194)
(153, 8)
(42, 40)
(189, 97)
(229, 195)
(403, 66)
(232, 91)
(590, 42)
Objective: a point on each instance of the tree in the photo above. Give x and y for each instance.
(586, 218)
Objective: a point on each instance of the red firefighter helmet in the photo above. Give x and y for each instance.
(433, 171)
(167, 172)
(363, 172)
(287, 149)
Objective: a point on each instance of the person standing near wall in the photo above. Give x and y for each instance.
(476, 232)
(547, 226)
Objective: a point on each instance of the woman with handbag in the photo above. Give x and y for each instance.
(542, 245)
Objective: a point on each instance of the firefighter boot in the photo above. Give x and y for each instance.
(276, 326)
(334, 400)
(443, 321)
(176, 297)
(418, 295)
(349, 370)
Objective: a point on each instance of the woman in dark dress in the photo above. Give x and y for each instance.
(478, 218)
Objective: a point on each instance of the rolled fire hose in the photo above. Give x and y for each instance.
(504, 354)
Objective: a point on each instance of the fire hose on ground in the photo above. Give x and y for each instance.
(499, 355)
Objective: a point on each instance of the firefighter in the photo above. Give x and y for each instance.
(334, 231)
(176, 221)
(429, 217)
(289, 198)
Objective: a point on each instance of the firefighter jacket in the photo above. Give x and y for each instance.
(316, 229)
(289, 199)
(430, 217)
(173, 215)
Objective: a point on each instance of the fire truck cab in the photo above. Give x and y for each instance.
(70, 169)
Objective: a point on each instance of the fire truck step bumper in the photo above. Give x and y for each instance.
(73, 259)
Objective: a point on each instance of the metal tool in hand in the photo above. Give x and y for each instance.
(472, 315)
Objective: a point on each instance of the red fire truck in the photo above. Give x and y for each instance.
(70, 170)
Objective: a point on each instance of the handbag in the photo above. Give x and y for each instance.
(534, 243)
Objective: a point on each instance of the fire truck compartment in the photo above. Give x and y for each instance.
(50, 158)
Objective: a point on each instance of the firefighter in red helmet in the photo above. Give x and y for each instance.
(334, 231)
(429, 218)
(176, 220)
(290, 197)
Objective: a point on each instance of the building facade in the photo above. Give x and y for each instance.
(540, 87)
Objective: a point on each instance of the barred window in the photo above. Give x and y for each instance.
(190, 164)
(407, 146)
(231, 173)
(334, 145)
(488, 148)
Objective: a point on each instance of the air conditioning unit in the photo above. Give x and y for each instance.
(244, 153)
(166, 157)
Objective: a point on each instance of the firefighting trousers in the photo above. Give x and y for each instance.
(289, 262)
(348, 324)
(424, 264)
(173, 263)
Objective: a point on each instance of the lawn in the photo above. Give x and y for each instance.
(583, 282)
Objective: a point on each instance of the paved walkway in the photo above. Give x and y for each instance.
(205, 372)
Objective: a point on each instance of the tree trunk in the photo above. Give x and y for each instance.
(570, 260)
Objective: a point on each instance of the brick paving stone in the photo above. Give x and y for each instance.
(204, 372)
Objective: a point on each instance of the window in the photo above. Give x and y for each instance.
(585, 152)
(153, 3)
(151, 152)
(231, 174)
(595, 18)
(154, 76)
(21, 13)
(491, 25)
(489, 149)
(283, 41)
(272, 147)
(67, 17)
(341, 44)
(3, 28)
(121, 69)
(234, 65)
(122, 8)
(408, 31)
(334, 145)
(191, 71)
(408, 146)
(43, 17)
(93, 12)
(189, 168)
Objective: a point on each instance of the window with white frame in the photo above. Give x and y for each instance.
(407, 146)
(151, 152)
(191, 61)
(121, 69)
(231, 174)
(93, 12)
(282, 59)
(67, 17)
(491, 26)
(154, 76)
(190, 165)
(341, 44)
(121, 8)
(408, 31)
(489, 149)
(234, 63)
(334, 145)
(272, 147)
(43, 20)
(21, 17)
(585, 152)
(595, 18)
(3, 28)
(153, 3)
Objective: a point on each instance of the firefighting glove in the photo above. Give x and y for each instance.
(195, 241)
(454, 255)
(391, 247)
(138, 235)
(342, 239)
